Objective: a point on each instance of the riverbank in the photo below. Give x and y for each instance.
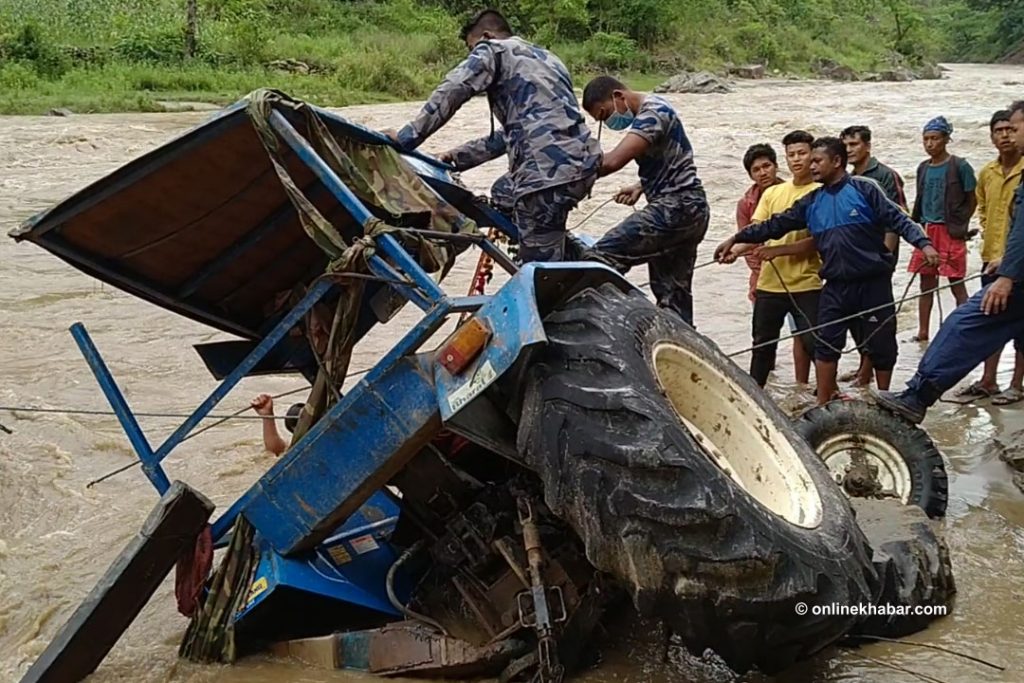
(91, 56)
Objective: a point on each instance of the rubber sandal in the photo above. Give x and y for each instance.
(1008, 397)
(975, 391)
(848, 376)
(917, 339)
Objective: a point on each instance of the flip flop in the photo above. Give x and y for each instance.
(1008, 397)
(848, 376)
(975, 391)
(917, 339)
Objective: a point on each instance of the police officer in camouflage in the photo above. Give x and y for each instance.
(553, 158)
(666, 232)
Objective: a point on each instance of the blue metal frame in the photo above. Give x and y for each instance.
(150, 463)
(303, 498)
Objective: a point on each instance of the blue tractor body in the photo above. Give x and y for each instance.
(322, 515)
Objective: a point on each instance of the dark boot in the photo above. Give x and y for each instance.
(906, 404)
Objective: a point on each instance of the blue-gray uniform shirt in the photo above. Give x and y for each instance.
(667, 166)
(543, 130)
(1012, 265)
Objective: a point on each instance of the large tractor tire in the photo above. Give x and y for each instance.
(913, 565)
(874, 454)
(688, 484)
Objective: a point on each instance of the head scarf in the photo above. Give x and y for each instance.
(939, 125)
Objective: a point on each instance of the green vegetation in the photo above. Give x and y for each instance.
(109, 55)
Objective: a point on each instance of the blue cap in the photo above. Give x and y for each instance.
(939, 125)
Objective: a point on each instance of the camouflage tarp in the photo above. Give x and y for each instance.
(382, 180)
(376, 174)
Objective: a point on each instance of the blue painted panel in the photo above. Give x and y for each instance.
(350, 453)
(349, 567)
(515, 323)
(515, 317)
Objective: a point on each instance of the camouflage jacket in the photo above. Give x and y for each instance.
(543, 131)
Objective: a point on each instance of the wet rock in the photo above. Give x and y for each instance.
(186, 106)
(748, 71)
(1011, 451)
(899, 74)
(833, 70)
(1014, 56)
(929, 72)
(60, 112)
(913, 565)
(701, 83)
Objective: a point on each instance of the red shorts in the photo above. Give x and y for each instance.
(952, 254)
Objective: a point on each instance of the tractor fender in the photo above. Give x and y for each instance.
(514, 316)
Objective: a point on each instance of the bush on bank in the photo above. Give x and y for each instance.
(103, 55)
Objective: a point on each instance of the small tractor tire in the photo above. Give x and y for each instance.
(688, 484)
(868, 448)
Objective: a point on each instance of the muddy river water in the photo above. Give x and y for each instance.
(57, 536)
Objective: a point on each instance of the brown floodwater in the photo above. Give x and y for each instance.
(57, 536)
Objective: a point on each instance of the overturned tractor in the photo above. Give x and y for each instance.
(469, 509)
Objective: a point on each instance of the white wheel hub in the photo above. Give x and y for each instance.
(857, 455)
(737, 435)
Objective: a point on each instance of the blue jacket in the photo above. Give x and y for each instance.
(1012, 265)
(848, 221)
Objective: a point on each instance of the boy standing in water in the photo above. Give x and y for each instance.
(997, 183)
(944, 205)
(973, 332)
(858, 148)
(762, 166)
(790, 283)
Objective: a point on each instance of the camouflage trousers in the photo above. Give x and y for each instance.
(664, 235)
(541, 216)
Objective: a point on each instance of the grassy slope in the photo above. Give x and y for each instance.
(117, 55)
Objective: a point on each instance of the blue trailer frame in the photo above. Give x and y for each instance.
(316, 495)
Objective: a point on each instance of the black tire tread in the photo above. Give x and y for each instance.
(930, 487)
(619, 467)
(913, 564)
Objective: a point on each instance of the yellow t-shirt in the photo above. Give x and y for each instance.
(799, 273)
(995, 195)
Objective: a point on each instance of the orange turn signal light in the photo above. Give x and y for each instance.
(463, 345)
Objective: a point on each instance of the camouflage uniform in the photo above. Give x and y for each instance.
(553, 159)
(666, 232)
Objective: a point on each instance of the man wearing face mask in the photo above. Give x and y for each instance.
(553, 159)
(666, 232)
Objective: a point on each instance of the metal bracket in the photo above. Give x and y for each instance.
(540, 616)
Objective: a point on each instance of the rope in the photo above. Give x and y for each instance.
(696, 267)
(850, 317)
(85, 411)
(857, 347)
(901, 669)
(930, 646)
(591, 214)
(237, 415)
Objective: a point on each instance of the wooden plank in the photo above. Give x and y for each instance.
(126, 587)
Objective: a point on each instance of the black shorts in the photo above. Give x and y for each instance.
(874, 332)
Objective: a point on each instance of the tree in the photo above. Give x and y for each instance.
(191, 27)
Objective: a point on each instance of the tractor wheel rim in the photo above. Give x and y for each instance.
(737, 434)
(842, 453)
